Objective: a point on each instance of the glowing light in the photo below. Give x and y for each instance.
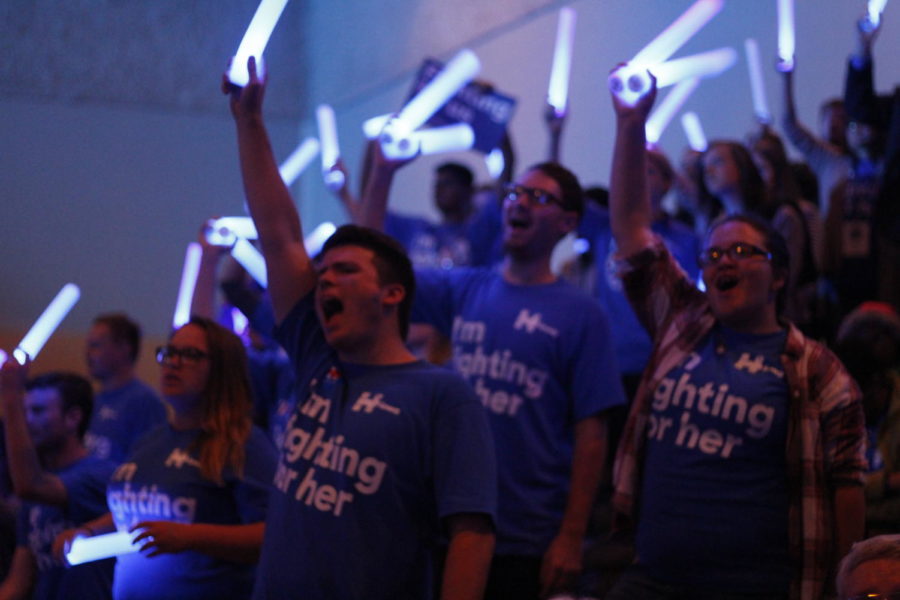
(760, 106)
(299, 159)
(255, 39)
(87, 549)
(317, 238)
(330, 149)
(875, 8)
(558, 91)
(705, 64)
(671, 104)
(631, 81)
(3, 357)
(495, 162)
(395, 137)
(694, 131)
(452, 138)
(372, 127)
(250, 258)
(47, 323)
(786, 35)
(238, 321)
(188, 282)
(224, 231)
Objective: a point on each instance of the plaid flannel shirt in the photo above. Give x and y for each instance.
(826, 438)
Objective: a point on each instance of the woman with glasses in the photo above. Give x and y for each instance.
(194, 490)
(741, 465)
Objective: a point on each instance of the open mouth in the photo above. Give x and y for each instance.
(331, 307)
(517, 222)
(726, 282)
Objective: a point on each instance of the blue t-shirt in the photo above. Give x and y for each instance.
(373, 458)
(632, 343)
(120, 418)
(714, 509)
(39, 524)
(540, 359)
(161, 481)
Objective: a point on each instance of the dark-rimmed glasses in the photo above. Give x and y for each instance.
(739, 251)
(534, 195)
(166, 354)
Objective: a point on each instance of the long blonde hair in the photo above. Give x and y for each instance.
(226, 403)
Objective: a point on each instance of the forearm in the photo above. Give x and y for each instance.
(588, 461)
(373, 209)
(234, 543)
(30, 480)
(20, 578)
(630, 212)
(467, 564)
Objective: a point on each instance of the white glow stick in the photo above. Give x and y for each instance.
(458, 72)
(558, 91)
(299, 159)
(671, 104)
(372, 127)
(238, 321)
(47, 323)
(875, 8)
(631, 82)
(452, 138)
(317, 238)
(330, 149)
(250, 258)
(224, 231)
(690, 122)
(785, 35)
(87, 549)
(255, 39)
(188, 282)
(3, 357)
(495, 162)
(760, 106)
(705, 64)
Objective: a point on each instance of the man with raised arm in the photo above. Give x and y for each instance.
(538, 354)
(742, 460)
(382, 451)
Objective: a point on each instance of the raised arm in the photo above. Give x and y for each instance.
(290, 271)
(373, 205)
(555, 122)
(629, 202)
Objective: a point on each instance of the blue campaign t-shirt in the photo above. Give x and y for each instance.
(161, 481)
(373, 458)
(39, 524)
(540, 359)
(120, 418)
(714, 498)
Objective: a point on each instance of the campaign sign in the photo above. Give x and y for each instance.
(486, 110)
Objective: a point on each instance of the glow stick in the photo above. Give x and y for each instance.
(558, 91)
(188, 282)
(372, 127)
(671, 104)
(87, 549)
(238, 321)
(3, 357)
(330, 149)
(299, 159)
(224, 231)
(250, 258)
(631, 81)
(452, 138)
(315, 240)
(875, 8)
(705, 64)
(47, 323)
(785, 35)
(760, 106)
(495, 162)
(694, 131)
(459, 71)
(255, 39)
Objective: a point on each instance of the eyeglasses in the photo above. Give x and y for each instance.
(739, 251)
(165, 354)
(891, 596)
(534, 195)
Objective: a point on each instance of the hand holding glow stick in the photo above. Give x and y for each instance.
(98, 547)
(188, 282)
(760, 106)
(558, 91)
(631, 81)
(786, 40)
(334, 179)
(255, 39)
(224, 231)
(299, 159)
(250, 258)
(671, 104)
(690, 122)
(47, 323)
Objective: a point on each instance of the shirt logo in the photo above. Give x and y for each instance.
(368, 403)
(532, 322)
